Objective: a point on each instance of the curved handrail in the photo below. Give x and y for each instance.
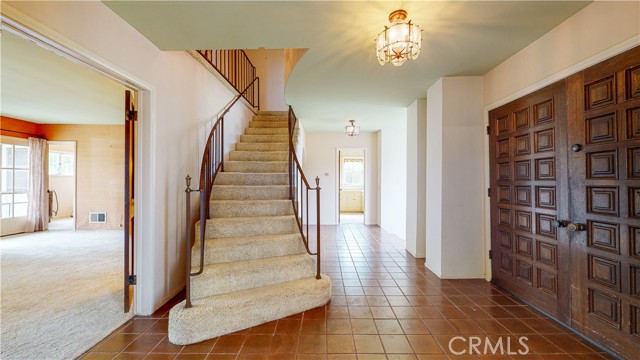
(212, 164)
(296, 176)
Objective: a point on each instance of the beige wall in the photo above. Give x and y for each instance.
(322, 160)
(269, 65)
(99, 171)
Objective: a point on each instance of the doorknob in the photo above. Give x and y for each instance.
(576, 227)
(560, 223)
(576, 147)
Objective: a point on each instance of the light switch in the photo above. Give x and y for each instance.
(326, 174)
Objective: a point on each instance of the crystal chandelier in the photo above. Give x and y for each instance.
(352, 129)
(399, 41)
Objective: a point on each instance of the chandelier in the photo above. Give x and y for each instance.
(352, 129)
(399, 41)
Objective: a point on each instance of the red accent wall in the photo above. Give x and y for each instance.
(8, 123)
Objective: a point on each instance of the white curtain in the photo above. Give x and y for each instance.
(37, 208)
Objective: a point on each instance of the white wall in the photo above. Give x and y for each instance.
(270, 64)
(181, 100)
(455, 218)
(416, 177)
(393, 176)
(599, 31)
(598, 27)
(321, 160)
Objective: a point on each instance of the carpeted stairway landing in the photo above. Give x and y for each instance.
(256, 266)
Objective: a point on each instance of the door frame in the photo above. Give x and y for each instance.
(31, 30)
(75, 175)
(339, 175)
(593, 60)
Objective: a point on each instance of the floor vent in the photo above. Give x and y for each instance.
(97, 217)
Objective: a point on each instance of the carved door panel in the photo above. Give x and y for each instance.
(604, 168)
(528, 194)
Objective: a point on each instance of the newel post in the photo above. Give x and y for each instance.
(318, 226)
(188, 244)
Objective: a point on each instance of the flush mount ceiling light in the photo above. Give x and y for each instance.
(399, 41)
(352, 129)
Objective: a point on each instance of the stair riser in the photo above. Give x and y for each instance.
(256, 167)
(259, 156)
(246, 146)
(210, 319)
(272, 208)
(220, 251)
(228, 178)
(264, 138)
(215, 281)
(269, 124)
(219, 228)
(270, 118)
(250, 193)
(266, 131)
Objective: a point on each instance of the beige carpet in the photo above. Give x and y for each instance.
(61, 292)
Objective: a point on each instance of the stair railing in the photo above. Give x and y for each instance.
(299, 194)
(212, 164)
(237, 69)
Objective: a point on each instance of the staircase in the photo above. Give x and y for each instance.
(256, 267)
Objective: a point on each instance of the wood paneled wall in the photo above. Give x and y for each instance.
(100, 170)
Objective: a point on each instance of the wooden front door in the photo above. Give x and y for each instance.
(604, 170)
(565, 200)
(130, 115)
(528, 194)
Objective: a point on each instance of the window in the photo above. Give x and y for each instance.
(60, 163)
(14, 180)
(353, 170)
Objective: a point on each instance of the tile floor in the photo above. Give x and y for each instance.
(385, 305)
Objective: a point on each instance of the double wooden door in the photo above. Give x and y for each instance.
(565, 182)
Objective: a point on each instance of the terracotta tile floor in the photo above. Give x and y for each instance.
(385, 305)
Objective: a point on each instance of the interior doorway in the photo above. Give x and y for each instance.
(62, 185)
(351, 185)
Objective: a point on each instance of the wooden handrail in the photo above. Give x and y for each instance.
(296, 175)
(212, 164)
(237, 69)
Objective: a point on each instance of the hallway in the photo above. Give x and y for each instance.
(385, 305)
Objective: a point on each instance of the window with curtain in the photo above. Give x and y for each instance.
(14, 180)
(353, 172)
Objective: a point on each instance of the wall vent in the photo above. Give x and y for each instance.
(97, 217)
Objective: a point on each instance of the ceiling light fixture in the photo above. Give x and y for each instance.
(399, 41)
(352, 129)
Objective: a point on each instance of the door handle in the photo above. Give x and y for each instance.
(560, 223)
(576, 227)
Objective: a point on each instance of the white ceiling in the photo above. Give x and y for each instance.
(42, 87)
(339, 77)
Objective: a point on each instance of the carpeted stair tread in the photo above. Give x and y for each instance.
(250, 192)
(257, 166)
(266, 131)
(250, 274)
(227, 250)
(269, 124)
(265, 139)
(266, 146)
(249, 208)
(218, 228)
(236, 178)
(217, 315)
(259, 156)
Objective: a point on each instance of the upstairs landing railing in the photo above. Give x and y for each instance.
(299, 193)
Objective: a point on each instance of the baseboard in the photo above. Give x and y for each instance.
(165, 300)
